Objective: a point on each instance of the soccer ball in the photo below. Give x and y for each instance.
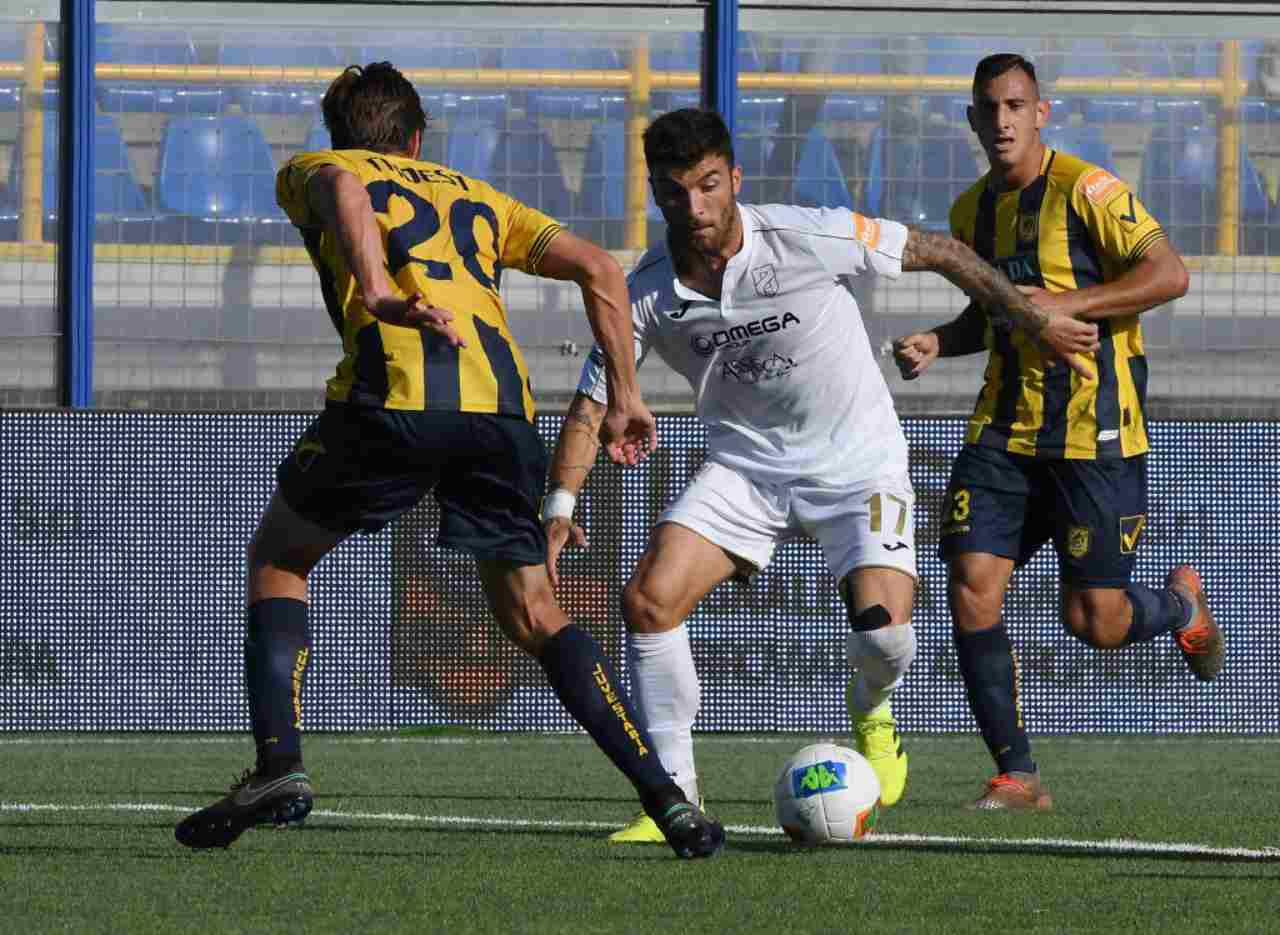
(827, 795)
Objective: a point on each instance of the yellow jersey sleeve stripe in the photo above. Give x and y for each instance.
(540, 244)
(1143, 245)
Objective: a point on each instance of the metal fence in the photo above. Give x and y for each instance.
(204, 299)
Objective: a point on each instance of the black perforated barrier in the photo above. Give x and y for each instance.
(122, 541)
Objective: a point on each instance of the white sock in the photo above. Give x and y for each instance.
(882, 658)
(667, 696)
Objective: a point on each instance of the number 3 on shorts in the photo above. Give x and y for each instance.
(959, 505)
(876, 503)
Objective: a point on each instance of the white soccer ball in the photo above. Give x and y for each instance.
(827, 795)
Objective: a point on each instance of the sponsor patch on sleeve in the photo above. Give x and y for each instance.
(866, 230)
(1099, 186)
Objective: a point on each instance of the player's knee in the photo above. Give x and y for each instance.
(531, 618)
(1097, 617)
(642, 612)
(975, 604)
(268, 553)
(882, 653)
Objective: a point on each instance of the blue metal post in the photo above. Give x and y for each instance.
(720, 60)
(75, 201)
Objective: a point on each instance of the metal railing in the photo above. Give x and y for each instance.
(638, 81)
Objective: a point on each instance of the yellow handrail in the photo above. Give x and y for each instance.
(637, 120)
(637, 82)
(624, 79)
(33, 136)
(1229, 151)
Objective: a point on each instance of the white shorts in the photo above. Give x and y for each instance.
(865, 526)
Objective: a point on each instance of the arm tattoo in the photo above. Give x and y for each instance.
(983, 282)
(578, 416)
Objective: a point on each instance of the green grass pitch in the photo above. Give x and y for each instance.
(505, 833)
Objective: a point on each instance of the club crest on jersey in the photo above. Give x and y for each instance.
(308, 449)
(1028, 226)
(1130, 532)
(1078, 541)
(765, 280)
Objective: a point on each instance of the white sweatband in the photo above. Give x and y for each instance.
(558, 504)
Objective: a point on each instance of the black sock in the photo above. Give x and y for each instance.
(1155, 612)
(990, 672)
(276, 654)
(585, 684)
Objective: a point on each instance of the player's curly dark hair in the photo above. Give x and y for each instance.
(374, 107)
(993, 66)
(683, 138)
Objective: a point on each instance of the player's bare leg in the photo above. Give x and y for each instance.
(677, 570)
(881, 646)
(276, 791)
(524, 604)
(1110, 618)
(976, 585)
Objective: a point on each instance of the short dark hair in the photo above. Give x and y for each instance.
(993, 66)
(374, 107)
(683, 138)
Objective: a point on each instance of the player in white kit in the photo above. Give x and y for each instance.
(753, 306)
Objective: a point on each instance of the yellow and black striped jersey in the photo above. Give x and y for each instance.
(447, 237)
(1075, 226)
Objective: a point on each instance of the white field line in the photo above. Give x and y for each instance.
(1119, 847)
(780, 740)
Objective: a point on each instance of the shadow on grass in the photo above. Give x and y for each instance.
(460, 831)
(487, 797)
(1222, 877)
(80, 850)
(1011, 848)
(91, 825)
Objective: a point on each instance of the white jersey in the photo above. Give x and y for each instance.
(781, 367)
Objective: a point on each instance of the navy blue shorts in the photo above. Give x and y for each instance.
(1010, 505)
(357, 468)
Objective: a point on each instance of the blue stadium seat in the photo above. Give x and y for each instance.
(602, 197)
(1179, 58)
(124, 45)
(958, 56)
(1085, 142)
(680, 52)
(1085, 58)
(850, 55)
(915, 177)
(304, 51)
(1172, 115)
(752, 150)
(1180, 187)
(1259, 110)
(1252, 52)
(216, 182)
(122, 213)
(803, 171)
(759, 110)
(517, 159)
(1101, 110)
(550, 51)
(819, 178)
